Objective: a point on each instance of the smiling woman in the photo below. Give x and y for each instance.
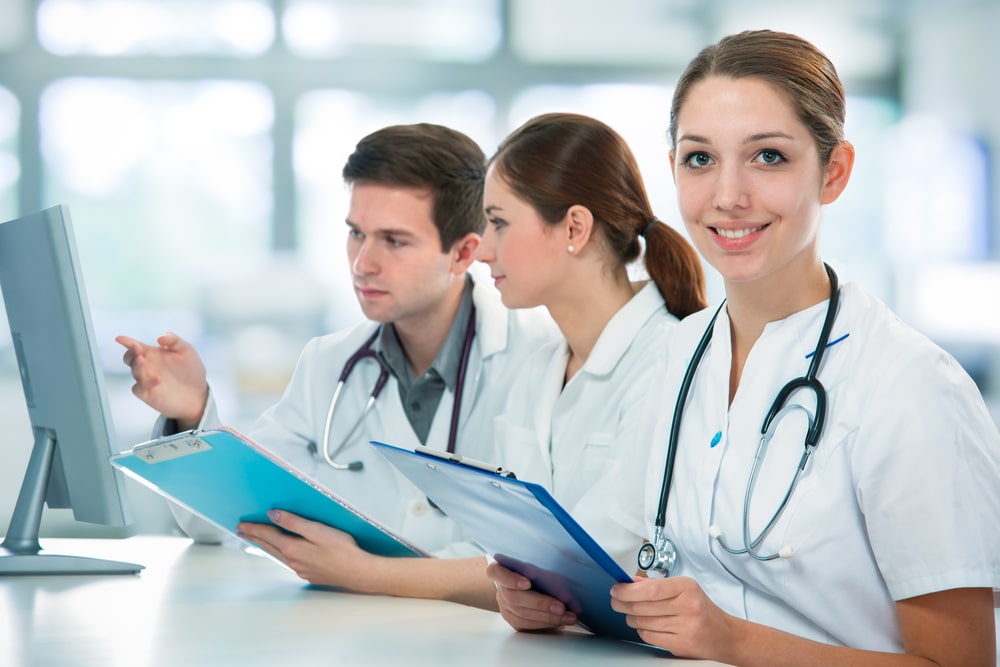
(757, 126)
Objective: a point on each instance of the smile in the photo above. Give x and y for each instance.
(738, 233)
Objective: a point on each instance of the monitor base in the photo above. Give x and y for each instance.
(46, 564)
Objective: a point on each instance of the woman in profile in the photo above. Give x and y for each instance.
(567, 214)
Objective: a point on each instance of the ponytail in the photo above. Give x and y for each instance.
(676, 269)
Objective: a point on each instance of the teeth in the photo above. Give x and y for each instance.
(737, 233)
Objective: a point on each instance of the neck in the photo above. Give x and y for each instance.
(751, 306)
(582, 313)
(423, 335)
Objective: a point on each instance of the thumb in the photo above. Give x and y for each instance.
(169, 340)
(290, 522)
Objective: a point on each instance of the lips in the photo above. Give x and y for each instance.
(369, 292)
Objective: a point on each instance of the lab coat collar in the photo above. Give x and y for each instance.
(620, 332)
(491, 319)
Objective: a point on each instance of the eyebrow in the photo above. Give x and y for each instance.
(492, 209)
(384, 232)
(753, 138)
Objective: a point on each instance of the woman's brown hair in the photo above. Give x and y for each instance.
(558, 160)
(789, 63)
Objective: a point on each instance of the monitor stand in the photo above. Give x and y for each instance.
(20, 552)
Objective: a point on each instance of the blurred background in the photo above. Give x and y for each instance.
(198, 144)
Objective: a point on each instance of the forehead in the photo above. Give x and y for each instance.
(497, 190)
(378, 207)
(747, 105)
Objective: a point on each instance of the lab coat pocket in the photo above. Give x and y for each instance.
(597, 456)
(518, 450)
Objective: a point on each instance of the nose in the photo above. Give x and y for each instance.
(731, 187)
(486, 252)
(365, 260)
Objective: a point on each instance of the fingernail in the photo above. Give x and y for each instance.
(556, 608)
(568, 619)
(274, 515)
(523, 584)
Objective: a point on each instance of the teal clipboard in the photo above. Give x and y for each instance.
(225, 478)
(525, 529)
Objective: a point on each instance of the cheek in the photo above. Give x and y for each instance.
(692, 198)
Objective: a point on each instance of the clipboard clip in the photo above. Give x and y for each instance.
(465, 461)
(175, 448)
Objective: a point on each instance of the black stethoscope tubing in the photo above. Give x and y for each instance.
(809, 380)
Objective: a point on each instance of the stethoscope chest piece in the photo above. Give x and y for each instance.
(657, 558)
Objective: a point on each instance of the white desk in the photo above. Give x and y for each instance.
(206, 605)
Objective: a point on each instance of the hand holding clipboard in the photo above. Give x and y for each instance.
(525, 529)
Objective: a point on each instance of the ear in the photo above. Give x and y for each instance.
(837, 172)
(463, 252)
(578, 225)
(673, 165)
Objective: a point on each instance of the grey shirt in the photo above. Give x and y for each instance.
(422, 395)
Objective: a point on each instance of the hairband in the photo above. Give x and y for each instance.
(649, 227)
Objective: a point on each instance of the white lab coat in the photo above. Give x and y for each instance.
(504, 340)
(569, 439)
(901, 497)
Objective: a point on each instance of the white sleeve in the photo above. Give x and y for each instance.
(627, 501)
(927, 469)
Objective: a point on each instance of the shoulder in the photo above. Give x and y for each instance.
(341, 343)
(887, 349)
(689, 331)
(896, 373)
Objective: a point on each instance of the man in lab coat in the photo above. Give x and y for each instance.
(414, 222)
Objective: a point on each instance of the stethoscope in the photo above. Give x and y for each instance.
(366, 352)
(659, 556)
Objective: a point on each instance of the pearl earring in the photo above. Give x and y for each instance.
(571, 248)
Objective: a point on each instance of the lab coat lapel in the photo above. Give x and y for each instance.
(389, 410)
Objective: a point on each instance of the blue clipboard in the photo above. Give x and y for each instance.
(523, 527)
(223, 477)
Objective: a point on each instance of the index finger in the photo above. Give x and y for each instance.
(130, 343)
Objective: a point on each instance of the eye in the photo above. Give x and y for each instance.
(394, 242)
(770, 156)
(697, 160)
(496, 223)
(354, 233)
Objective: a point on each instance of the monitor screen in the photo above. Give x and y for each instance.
(53, 341)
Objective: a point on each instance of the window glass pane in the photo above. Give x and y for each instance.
(601, 32)
(10, 166)
(13, 24)
(169, 183)
(451, 30)
(122, 27)
(639, 113)
(329, 124)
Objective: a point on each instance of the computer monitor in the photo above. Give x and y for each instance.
(53, 341)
